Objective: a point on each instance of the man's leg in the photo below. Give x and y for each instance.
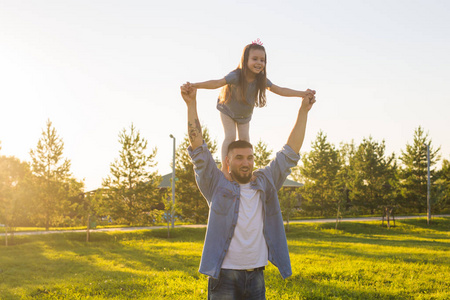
(255, 287)
(229, 286)
(237, 284)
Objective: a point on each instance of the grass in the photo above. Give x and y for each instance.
(358, 261)
(98, 226)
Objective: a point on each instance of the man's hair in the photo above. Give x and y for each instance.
(239, 144)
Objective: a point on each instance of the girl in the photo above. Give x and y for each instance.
(244, 88)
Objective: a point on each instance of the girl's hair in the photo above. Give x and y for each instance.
(261, 79)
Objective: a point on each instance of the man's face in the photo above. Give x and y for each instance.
(240, 162)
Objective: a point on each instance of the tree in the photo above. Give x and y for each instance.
(53, 178)
(442, 194)
(192, 205)
(15, 192)
(262, 155)
(131, 188)
(414, 171)
(346, 153)
(289, 200)
(319, 172)
(90, 205)
(372, 176)
(170, 209)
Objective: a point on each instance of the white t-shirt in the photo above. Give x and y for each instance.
(248, 248)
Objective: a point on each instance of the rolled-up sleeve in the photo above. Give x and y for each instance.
(280, 167)
(206, 171)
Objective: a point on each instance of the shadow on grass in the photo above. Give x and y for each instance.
(112, 265)
(345, 241)
(373, 233)
(316, 288)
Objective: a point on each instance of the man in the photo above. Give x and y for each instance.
(245, 227)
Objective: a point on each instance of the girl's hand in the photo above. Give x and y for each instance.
(312, 92)
(187, 86)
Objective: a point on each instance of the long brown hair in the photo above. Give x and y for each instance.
(261, 79)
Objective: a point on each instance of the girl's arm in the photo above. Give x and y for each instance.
(285, 92)
(210, 84)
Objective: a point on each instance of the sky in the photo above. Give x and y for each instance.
(380, 68)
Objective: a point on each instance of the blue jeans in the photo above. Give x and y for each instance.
(237, 284)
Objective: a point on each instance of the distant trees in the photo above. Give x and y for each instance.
(364, 179)
(131, 188)
(53, 181)
(15, 192)
(351, 179)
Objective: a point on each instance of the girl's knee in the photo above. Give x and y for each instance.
(228, 140)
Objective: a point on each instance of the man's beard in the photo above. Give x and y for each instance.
(239, 178)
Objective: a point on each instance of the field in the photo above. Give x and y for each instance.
(361, 260)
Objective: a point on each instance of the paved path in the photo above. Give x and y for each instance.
(366, 219)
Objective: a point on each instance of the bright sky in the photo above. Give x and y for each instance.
(380, 68)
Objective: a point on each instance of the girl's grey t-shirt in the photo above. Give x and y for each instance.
(240, 111)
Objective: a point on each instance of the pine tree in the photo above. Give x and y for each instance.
(53, 176)
(442, 194)
(346, 153)
(414, 171)
(320, 170)
(261, 154)
(372, 176)
(131, 188)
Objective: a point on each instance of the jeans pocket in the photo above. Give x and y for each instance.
(214, 284)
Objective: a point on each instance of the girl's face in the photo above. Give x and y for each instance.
(256, 61)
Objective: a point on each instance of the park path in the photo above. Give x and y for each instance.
(365, 219)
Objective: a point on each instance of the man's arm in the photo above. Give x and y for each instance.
(189, 95)
(297, 135)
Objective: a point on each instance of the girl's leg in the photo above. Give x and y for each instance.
(244, 134)
(229, 129)
(244, 131)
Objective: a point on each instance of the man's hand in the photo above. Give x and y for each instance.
(308, 102)
(295, 140)
(188, 93)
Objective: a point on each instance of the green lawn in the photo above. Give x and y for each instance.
(359, 261)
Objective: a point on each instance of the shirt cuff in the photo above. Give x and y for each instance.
(287, 150)
(197, 150)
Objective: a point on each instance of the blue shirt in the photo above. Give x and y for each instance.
(223, 198)
(240, 111)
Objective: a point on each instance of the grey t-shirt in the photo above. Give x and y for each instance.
(240, 111)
